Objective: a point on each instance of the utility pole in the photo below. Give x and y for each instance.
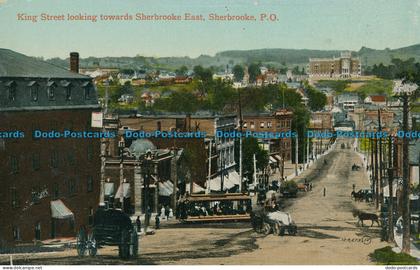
(255, 170)
(372, 174)
(296, 154)
(376, 173)
(391, 193)
(405, 187)
(240, 142)
(381, 192)
(307, 151)
(209, 174)
(121, 145)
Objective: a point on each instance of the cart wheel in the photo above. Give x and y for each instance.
(276, 229)
(92, 245)
(81, 242)
(293, 231)
(266, 228)
(282, 231)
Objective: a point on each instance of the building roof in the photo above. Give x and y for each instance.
(378, 98)
(13, 64)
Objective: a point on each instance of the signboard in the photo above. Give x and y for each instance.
(97, 119)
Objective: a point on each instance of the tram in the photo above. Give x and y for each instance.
(215, 208)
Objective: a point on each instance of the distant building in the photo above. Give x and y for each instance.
(344, 66)
(376, 100)
(347, 101)
(279, 121)
(49, 187)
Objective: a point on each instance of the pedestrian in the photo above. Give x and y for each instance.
(354, 187)
(325, 191)
(138, 223)
(157, 222)
(310, 186)
(167, 212)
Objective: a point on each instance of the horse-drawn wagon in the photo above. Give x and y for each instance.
(110, 227)
(276, 222)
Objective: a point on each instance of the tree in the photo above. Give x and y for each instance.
(238, 73)
(182, 71)
(317, 99)
(254, 72)
(203, 74)
(249, 148)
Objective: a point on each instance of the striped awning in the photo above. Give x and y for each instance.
(166, 188)
(60, 211)
(124, 191)
(272, 160)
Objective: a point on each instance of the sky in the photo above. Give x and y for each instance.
(301, 24)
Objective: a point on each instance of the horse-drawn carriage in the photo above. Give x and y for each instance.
(276, 222)
(110, 227)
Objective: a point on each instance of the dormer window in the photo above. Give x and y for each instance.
(87, 86)
(12, 90)
(33, 85)
(67, 85)
(51, 90)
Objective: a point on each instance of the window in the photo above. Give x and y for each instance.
(70, 158)
(12, 90)
(244, 125)
(34, 92)
(88, 87)
(159, 125)
(72, 187)
(90, 152)
(36, 161)
(51, 93)
(262, 124)
(68, 92)
(56, 191)
(89, 183)
(14, 197)
(16, 233)
(252, 124)
(54, 159)
(90, 216)
(14, 164)
(269, 125)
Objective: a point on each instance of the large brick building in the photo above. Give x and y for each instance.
(50, 187)
(279, 121)
(344, 66)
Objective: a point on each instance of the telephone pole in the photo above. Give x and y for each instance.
(391, 192)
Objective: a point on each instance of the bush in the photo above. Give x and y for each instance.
(388, 257)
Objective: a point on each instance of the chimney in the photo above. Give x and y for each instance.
(74, 62)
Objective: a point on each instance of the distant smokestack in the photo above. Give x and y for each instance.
(74, 62)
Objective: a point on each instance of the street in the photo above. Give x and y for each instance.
(327, 230)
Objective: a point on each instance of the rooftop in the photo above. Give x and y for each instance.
(13, 64)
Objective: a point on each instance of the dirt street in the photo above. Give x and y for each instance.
(327, 231)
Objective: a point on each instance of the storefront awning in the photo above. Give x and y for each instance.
(166, 188)
(60, 211)
(196, 188)
(230, 180)
(124, 191)
(109, 189)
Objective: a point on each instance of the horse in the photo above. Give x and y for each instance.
(366, 216)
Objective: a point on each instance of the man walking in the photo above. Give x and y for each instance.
(325, 191)
(138, 223)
